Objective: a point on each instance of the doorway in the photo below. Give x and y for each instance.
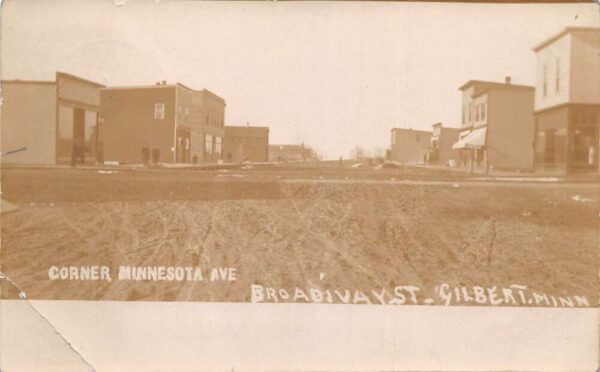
(182, 146)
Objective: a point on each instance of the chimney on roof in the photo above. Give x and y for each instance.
(507, 80)
(158, 83)
(164, 82)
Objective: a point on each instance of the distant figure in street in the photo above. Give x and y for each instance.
(195, 158)
(99, 154)
(145, 155)
(155, 155)
(229, 157)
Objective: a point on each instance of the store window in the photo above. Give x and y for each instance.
(208, 144)
(65, 134)
(479, 156)
(551, 146)
(218, 145)
(470, 109)
(77, 135)
(545, 82)
(90, 135)
(557, 76)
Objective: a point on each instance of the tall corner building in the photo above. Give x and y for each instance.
(186, 125)
(567, 102)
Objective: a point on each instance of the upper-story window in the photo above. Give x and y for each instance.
(557, 75)
(483, 111)
(477, 112)
(470, 109)
(545, 83)
(463, 114)
(159, 111)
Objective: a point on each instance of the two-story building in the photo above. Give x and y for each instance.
(409, 146)
(567, 102)
(246, 143)
(48, 122)
(442, 140)
(497, 126)
(186, 125)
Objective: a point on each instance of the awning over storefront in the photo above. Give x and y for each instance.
(475, 139)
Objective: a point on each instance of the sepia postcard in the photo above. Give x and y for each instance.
(364, 186)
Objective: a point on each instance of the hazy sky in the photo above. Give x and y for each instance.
(333, 75)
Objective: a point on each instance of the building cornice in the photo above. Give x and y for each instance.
(563, 105)
(567, 30)
(70, 76)
(411, 130)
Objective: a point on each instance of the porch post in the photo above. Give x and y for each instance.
(487, 162)
(471, 171)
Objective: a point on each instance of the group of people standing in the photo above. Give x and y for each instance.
(146, 153)
(150, 157)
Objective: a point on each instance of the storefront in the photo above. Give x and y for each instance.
(471, 148)
(567, 139)
(53, 122)
(77, 134)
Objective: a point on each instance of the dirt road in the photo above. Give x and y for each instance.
(285, 235)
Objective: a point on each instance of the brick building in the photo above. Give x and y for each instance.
(246, 143)
(185, 124)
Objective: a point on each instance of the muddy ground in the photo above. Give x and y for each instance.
(314, 227)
